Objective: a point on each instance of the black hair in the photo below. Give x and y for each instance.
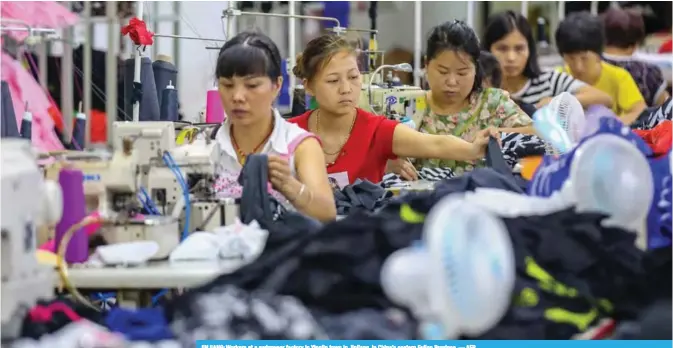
(623, 28)
(501, 25)
(249, 53)
(579, 32)
(491, 68)
(456, 36)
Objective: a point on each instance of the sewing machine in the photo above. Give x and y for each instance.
(396, 102)
(112, 182)
(194, 161)
(28, 201)
(195, 164)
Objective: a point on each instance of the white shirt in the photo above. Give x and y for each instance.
(283, 141)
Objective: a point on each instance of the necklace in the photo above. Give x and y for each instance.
(343, 142)
(241, 155)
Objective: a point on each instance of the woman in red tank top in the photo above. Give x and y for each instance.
(358, 144)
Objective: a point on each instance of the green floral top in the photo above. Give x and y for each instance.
(489, 108)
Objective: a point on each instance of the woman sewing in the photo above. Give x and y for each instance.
(356, 143)
(249, 80)
(458, 104)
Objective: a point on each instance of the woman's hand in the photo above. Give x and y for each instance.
(280, 174)
(403, 168)
(481, 141)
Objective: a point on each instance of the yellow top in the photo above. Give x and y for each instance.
(618, 84)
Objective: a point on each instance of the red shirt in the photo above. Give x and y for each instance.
(367, 150)
(666, 47)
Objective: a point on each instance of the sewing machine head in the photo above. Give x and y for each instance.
(110, 179)
(397, 102)
(28, 201)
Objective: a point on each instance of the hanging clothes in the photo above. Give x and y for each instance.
(45, 14)
(25, 89)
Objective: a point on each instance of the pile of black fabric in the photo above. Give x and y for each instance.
(571, 272)
(579, 273)
(362, 195)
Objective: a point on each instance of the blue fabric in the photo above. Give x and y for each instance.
(659, 218)
(554, 171)
(140, 325)
(339, 10)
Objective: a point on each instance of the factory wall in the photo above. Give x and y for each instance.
(202, 19)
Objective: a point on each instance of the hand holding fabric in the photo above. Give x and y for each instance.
(279, 173)
(481, 141)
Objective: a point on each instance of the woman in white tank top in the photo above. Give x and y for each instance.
(249, 79)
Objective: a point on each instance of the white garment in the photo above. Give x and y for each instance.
(284, 139)
(238, 243)
(77, 334)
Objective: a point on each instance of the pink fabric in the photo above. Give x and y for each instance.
(43, 314)
(91, 229)
(24, 89)
(292, 147)
(44, 14)
(226, 184)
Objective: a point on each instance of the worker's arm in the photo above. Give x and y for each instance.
(410, 143)
(629, 99)
(661, 97)
(586, 94)
(317, 200)
(631, 115)
(589, 95)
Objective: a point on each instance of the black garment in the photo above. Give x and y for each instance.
(255, 199)
(654, 323)
(362, 195)
(529, 109)
(8, 126)
(590, 268)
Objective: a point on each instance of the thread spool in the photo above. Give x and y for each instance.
(165, 74)
(149, 103)
(214, 109)
(8, 126)
(79, 129)
(169, 103)
(27, 124)
(74, 210)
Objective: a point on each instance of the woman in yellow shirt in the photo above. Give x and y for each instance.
(579, 39)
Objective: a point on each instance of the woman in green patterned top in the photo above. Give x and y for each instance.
(457, 103)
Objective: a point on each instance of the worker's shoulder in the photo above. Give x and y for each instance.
(614, 72)
(301, 120)
(373, 121)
